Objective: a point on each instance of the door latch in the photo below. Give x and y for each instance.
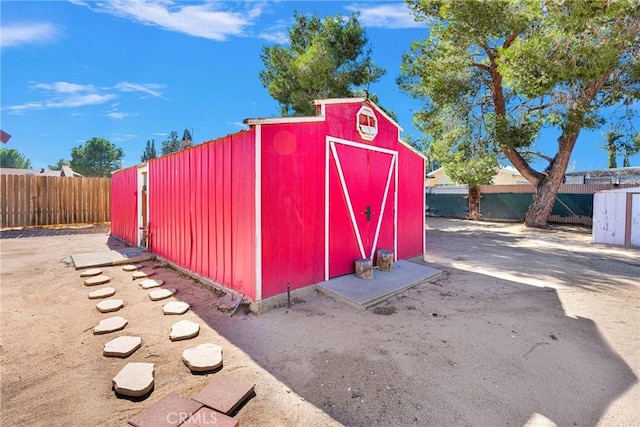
(367, 212)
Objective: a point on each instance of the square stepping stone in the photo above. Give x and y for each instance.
(111, 324)
(150, 283)
(175, 307)
(171, 410)
(90, 272)
(161, 294)
(109, 305)
(96, 280)
(225, 394)
(184, 330)
(122, 346)
(134, 380)
(102, 293)
(131, 267)
(203, 358)
(208, 417)
(141, 274)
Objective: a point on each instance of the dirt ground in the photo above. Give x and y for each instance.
(525, 327)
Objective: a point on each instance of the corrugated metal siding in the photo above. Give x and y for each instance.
(124, 204)
(410, 203)
(202, 214)
(292, 207)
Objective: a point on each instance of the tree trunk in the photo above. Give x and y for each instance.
(384, 260)
(364, 268)
(474, 202)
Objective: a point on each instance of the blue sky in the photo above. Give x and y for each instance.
(133, 70)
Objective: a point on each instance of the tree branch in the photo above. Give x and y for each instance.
(539, 154)
(481, 66)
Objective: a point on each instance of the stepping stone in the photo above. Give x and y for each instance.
(171, 410)
(161, 294)
(96, 280)
(134, 380)
(225, 394)
(102, 293)
(109, 305)
(111, 324)
(150, 283)
(184, 330)
(90, 272)
(131, 267)
(121, 346)
(141, 274)
(175, 307)
(203, 358)
(205, 416)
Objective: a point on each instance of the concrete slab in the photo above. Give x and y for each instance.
(114, 257)
(175, 307)
(102, 293)
(206, 417)
(225, 394)
(203, 358)
(90, 272)
(134, 380)
(141, 274)
(109, 305)
(363, 294)
(131, 267)
(184, 330)
(150, 283)
(161, 294)
(97, 280)
(111, 324)
(122, 346)
(171, 410)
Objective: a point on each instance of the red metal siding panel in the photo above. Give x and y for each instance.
(202, 210)
(292, 206)
(124, 204)
(410, 203)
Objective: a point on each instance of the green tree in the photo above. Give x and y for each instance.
(96, 158)
(149, 151)
(172, 144)
(11, 158)
(59, 164)
(630, 146)
(492, 74)
(324, 59)
(186, 140)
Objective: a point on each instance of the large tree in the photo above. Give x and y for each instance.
(11, 158)
(149, 151)
(96, 158)
(59, 164)
(327, 58)
(494, 73)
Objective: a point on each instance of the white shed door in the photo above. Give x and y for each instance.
(635, 220)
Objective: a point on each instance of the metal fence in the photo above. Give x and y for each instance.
(574, 202)
(51, 200)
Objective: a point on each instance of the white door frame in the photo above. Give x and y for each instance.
(142, 171)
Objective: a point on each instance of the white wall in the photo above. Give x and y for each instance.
(610, 217)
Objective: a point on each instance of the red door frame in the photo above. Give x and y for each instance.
(331, 152)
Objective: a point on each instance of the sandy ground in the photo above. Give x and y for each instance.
(524, 327)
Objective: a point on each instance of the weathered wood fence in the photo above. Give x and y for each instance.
(50, 200)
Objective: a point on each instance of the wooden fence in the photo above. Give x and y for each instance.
(50, 200)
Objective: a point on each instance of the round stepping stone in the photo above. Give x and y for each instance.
(90, 272)
(134, 380)
(184, 330)
(161, 294)
(111, 324)
(122, 346)
(175, 307)
(141, 274)
(203, 358)
(150, 283)
(97, 280)
(131, 267)
(109, 305)
(102, 293)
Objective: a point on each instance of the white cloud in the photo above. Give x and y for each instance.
(207, 20)
(389, 15)
(152, 89)
(28, 33)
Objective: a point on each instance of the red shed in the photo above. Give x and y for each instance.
(292, 200)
